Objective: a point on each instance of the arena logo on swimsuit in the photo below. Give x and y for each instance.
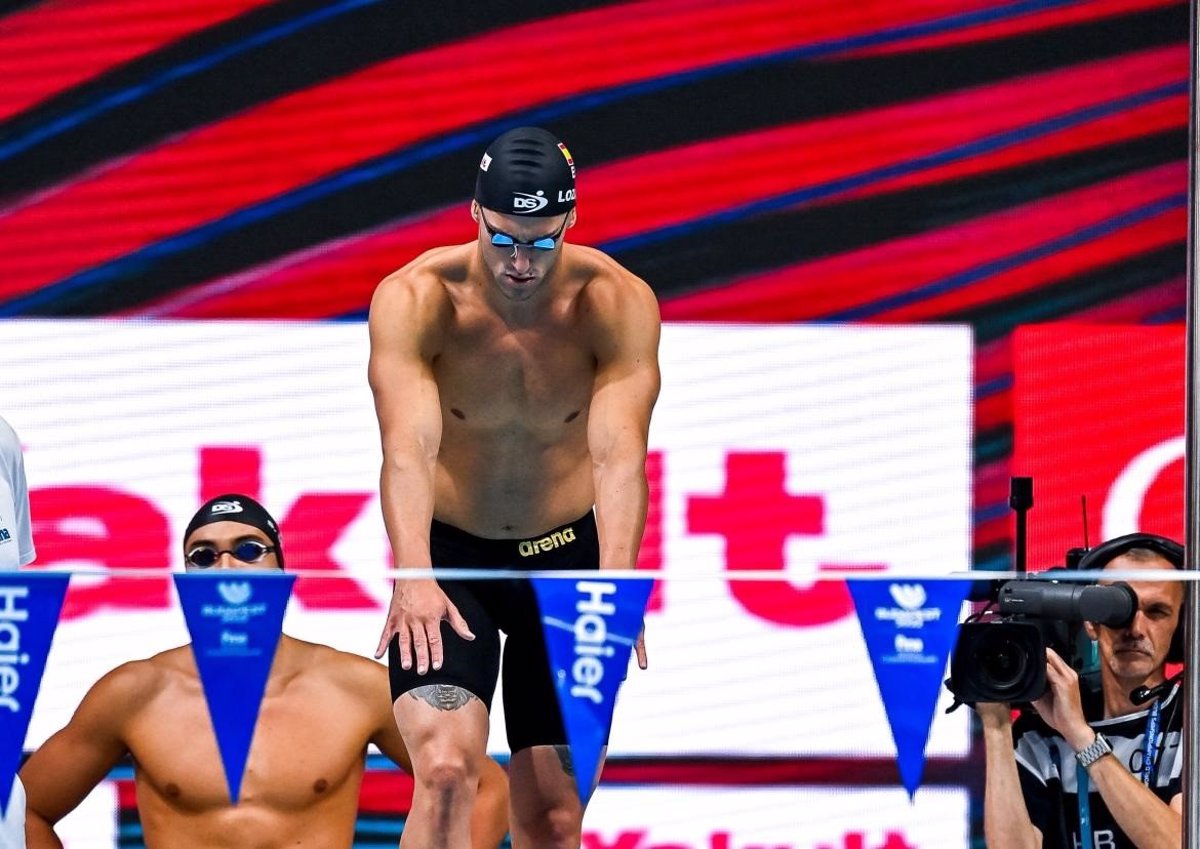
(10, 644)
(530, 547)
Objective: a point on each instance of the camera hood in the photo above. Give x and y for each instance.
(1113, 605)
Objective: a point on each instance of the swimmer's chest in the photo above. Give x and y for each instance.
(492, 376)
(303, 752)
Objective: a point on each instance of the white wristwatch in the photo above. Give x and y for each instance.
(1098, 749)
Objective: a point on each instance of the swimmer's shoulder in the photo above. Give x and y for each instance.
(129, 688)
(426, 279)
(353, 673)
(609, 289)
(416, 302)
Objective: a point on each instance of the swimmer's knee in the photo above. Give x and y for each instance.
(447, 767)
(551, 826)
(448, 774)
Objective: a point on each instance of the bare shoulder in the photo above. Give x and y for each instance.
(421, 283)
(618, 310)
(412, 305)
(124, 691)
(352, 673)
(612, 294)
(610, 288)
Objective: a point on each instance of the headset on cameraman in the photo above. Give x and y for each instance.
(1100, 556)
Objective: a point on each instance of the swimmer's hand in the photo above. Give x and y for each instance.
(415, 617)
(639, 648)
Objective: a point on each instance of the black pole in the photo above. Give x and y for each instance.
(1020, 499)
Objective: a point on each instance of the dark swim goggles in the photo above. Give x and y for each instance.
(503, 240)
(247, 551)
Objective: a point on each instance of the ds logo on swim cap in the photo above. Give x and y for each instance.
(525, 203)
(226, 507)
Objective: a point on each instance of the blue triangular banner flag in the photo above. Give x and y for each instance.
(909, 628)
(29, 606)
(235, 619)
(590, 627)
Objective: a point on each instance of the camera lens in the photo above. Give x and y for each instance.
(1003, 663)
(999, 662)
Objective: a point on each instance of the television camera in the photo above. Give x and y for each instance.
(1000, 655)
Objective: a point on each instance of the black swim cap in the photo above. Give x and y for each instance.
(233, 507)
(526, 171)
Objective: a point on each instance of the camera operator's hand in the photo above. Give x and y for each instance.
(1060, 706)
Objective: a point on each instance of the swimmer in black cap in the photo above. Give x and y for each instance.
(514, 378)
(236, 515)
(524, 204)
(321, 709)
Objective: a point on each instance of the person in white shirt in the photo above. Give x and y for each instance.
(16, 550)
(16, 531)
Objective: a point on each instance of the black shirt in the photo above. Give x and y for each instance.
(1046, 766)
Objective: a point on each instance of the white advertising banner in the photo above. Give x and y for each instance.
(791, 448)
(776, 817)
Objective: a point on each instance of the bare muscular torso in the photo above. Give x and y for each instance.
(305, 765)
(515, 386)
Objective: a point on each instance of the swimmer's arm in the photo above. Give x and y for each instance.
(626, 386)
(407, 406)
(68, 766)
(404, 321)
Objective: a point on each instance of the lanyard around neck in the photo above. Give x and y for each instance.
(1085, 809)
(1149, 761)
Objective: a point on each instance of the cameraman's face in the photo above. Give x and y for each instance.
(1139, 650)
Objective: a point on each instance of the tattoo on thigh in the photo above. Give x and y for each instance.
(442, 696)
(564, 758)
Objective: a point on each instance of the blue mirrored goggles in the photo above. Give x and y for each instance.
(503, 240)
(247, 551)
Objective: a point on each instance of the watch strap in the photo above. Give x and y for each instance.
(1093, 752)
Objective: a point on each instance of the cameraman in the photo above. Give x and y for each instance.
(1130, 799)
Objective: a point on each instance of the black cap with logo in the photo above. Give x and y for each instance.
(234, 507)
(526, 171)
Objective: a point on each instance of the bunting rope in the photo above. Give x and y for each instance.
(738, 575)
